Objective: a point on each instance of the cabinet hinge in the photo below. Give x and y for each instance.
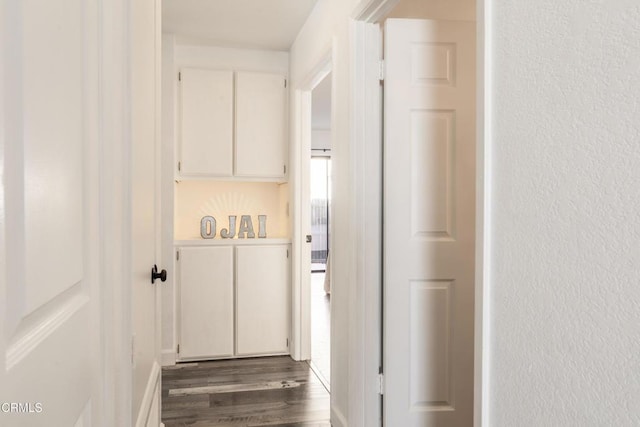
(177, 255)
(287, 342)
(284, 168)
(179, 77)
(381, 383)
(178, 349)
(287, 253)
(285, 82)
(381, 71)
(179, 166)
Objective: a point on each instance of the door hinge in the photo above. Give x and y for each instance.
(381, 71)
(287, 253)
(284, 168)
(285, 82)
(179, 166)
(179, 77)
(287, 342)
(178, 349)
(381, 383)
(177, 255)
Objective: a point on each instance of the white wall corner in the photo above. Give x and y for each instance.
(151, 391)
(337, 418)
(168, 357)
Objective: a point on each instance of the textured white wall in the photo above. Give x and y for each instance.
(565, 257)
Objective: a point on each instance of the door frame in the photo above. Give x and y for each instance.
(116, 309)
(325, 154)
(150, 406)
(115, 186)
(301, 160)
(366, 317)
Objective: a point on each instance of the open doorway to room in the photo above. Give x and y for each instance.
(320, 200)
(228, 343)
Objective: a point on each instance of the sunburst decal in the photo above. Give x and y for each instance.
(230, 203)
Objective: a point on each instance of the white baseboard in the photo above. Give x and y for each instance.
(149, 394)
(168, 358)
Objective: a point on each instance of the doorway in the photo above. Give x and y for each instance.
(425, 123)
(320, 208)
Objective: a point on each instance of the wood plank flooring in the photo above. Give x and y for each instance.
(265, 391)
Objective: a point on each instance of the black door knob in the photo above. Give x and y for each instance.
(155, 275)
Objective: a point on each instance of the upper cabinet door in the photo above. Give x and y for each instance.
(260, 125)
(206, 122)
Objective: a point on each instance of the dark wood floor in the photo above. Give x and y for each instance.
(266, 391)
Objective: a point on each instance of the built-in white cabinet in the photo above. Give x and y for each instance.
(232, 124)
(206, 123)
(206, 302)
(262, 289)
(233, 300)
(260, 125)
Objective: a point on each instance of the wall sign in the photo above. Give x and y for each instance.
(245, 229)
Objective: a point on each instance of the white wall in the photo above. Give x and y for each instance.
(320, 139)
(223, 58)
(565, 238)
(328, 26)
(456, 10)
(169, 92)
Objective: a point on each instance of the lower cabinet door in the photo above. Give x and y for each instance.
(262, 286)
(205, 302)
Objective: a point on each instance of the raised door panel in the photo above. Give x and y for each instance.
(262, 281)
(50, 195)
(206, 302)
(260, 125)
(206, 122)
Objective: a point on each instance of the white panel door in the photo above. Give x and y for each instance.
(262, 302)
(261, 131)
(145, 110)
(429, 201)
(50, 238)
(205, 295)
(206, 122)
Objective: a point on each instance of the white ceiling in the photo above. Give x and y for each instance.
(261, 24)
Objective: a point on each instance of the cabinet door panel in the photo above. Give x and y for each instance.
(206, 302)
(262, 299)
(206, 122)
(260, 124)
